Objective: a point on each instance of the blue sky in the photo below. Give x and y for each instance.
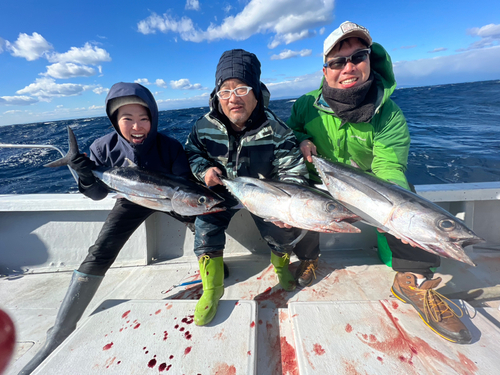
(59, 58)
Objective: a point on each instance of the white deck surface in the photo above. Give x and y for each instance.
(280, 324)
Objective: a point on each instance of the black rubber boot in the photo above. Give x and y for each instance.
(80, 292)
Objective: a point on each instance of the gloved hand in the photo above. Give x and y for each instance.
(83, 166)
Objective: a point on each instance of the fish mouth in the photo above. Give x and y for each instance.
(453, 250)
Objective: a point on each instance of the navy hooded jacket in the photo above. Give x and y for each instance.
(158, 152)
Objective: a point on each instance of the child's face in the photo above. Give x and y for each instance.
(134, 123)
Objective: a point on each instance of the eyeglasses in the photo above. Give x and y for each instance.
(238, 91)
(356, 58)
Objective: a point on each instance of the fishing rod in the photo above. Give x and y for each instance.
(6, 145)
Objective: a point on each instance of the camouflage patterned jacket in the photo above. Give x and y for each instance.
(268, 148)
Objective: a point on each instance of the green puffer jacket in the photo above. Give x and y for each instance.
(380, 146)
(269, 148)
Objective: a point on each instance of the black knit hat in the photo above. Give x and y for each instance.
(240, 64)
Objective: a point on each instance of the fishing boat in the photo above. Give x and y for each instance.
(141, 318)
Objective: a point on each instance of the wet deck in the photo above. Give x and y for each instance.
(347, 322)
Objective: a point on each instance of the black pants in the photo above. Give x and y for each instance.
(122, 221)
(406, 258)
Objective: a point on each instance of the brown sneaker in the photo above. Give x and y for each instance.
(431, 306)
(306, 272)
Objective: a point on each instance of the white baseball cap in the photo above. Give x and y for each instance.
(345, 30)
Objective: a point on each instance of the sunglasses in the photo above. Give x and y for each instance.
(356, 58)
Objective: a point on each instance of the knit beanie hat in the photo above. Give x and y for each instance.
(240, 64)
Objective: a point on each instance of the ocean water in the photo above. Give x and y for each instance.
(455, 131)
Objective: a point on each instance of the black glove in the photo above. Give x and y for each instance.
(83, 166)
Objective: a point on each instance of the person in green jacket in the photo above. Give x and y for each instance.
(351, 119)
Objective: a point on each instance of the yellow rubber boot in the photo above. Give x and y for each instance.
(285, 277)
(212, 276)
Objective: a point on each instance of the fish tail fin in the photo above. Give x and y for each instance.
(73, 151)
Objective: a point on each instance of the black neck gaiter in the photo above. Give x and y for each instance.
(355, 104)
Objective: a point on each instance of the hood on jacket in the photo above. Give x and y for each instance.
(381, 66)
(122, 89)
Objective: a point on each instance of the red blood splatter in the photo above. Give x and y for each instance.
(118, 362)
(289, 364)
(152, 363)
(401, 345)
(125, 314)
(193, 292)
(269, 326)
(171, 357)
(169, 306)
(224, 369)
(380, 359)
(237, 303)
(394, 305)
(168, 367)
(188, 335)
(121, 329)
(318, 349)
(165, 335)
(181, 329)
(187, 350)
(128, 321)
(206, 307)
(260, 321)
(266, 271)
(157, 312)
(184, 320)
(176, 326)
(107, 346)
(348, 328)
(144, 348)
(279, 297)
(249, 352)
(252, 324)
(162, 367)
(137, 325)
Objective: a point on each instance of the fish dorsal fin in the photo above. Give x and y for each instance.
(263, 184)
(129, 163)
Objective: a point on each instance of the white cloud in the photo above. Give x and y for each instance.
(161, 83)
(290, 38)
(321, 31)
(142, 81)
(100, 90)
(17, 100)
(468, 66)
(296, 86)
(194, 101)
(87, 55)
(184, 84)
(489, 34)
(288, 54)
(193, 4)
(46, 88)
(289, 20)
(2, 43)
(68, 70)
(440, 49)
(93, 107)
(13, 111)
(30, 47)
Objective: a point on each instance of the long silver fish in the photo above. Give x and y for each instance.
(296, 205)
(397, 211)
(150, 189)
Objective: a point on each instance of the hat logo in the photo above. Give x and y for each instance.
(348, 26)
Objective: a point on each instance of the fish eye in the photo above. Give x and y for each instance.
(446, 225)
(330, 207)
(202, 200)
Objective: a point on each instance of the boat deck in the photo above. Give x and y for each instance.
(346, 322)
